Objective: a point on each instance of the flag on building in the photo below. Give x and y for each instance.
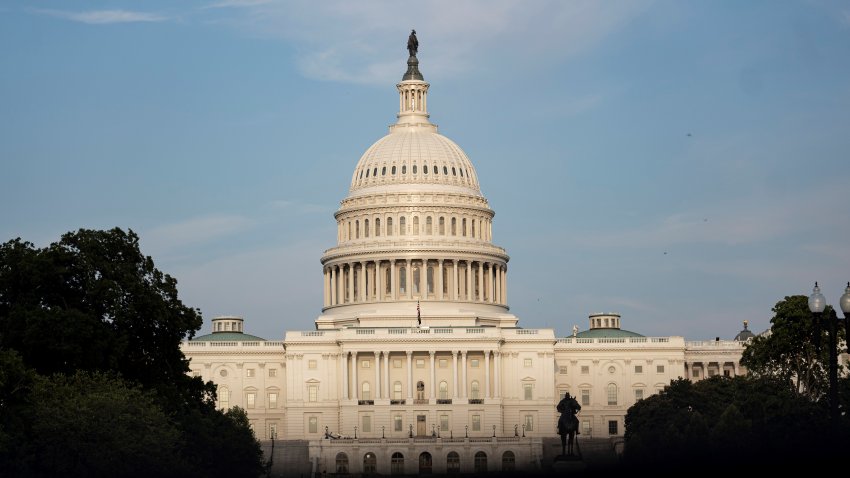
(418, 317)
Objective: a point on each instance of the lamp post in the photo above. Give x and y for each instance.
(817, 304)
(382, 432)
(494, 430)
(355, 432)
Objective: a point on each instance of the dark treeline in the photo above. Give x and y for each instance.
(92, 379)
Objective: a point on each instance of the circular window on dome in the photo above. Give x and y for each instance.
(414, 169)
(436, 171)
(611, 369)
(384, 171)
(393, 171)
(404, 169)
(223, 373)
(424, 169)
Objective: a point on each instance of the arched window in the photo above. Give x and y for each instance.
(428, 229)
(442, 226)
(463, 227)
(404, 169)
(424, 169)
(349, 231)
(393, 171)
(396, 390)
(357, 229)
(430, 279)
(454, 226)
(476, 390)
(612, 394)
(384, 171)
(415, 225)
(444, 390)
(397, 464)
(389, 226)
(377, 227)
(366, 391)
(370, 463)
(367, 173)
(414, 169)
(223, 397)
(461, 173)
(361, 174)
(416, 270)
(341, 463)
(454, 172)
(402, 280)
(445, 280)
(425, 463)
(453, 462)
(480, 462)
(445, 171)
(375, 172)
(473, 228)
(388, 288)
(508, 461)
(366, 228)
(420, 390)
(402, 226)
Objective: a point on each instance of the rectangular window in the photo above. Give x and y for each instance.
(638, 394)
(473, 363)
(311, 364)
(272, 430)
(526, 363)
(727, 372)
(612, 427)
(659, 368)
(638, 368)
(272, 372)
(585, 426)
(612, 395)
(529, 423)
(398, 425)
(585, 397)
(420, 363)
(313, 393)
(476, 423)
(249, 372)
(313, 425)
(272, 400)
(444, 423)
(444, 363)
(365, 364)
(250, 400)
(562, 370)
(367, 423)
(396, 363)
(528, 391)
(585, 369)
(695, 373)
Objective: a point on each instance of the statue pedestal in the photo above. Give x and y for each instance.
(568, 464)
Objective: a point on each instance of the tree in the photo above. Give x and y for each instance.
(790, 352)
(93, 301)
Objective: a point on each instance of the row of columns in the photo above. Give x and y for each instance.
(339, 281)
(718, 365)
(383, 387)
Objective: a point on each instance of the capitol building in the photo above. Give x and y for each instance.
(416, 364)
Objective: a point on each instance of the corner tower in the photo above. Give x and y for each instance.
(414, 235)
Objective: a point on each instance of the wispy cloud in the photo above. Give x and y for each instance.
(102, 17)
(361, 42)
(192, 231)
(237, 3)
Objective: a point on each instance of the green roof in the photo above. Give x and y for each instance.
(605, 333)
(227, 337)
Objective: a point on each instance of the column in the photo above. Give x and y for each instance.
(354, 375)
(468, 295)
(454, 284)
(387, 388)
(491, 282)
(325, 276)
(464, 374)
(480, 297)
(505, 284)
(497, 358)
(379, 282)
(440, 280)
(333, 285)
(377, 374)
(409, 279)
(345, 375)
(363, 273)
(487, 374)
(351, 282)
(409, 376)
(454, 375)
(340, 284)
(433, 374)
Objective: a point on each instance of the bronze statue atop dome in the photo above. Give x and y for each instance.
(412, 43)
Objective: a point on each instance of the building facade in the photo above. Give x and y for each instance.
(416, 363)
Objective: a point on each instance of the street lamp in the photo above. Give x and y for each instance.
(817, 304)
(355, 432)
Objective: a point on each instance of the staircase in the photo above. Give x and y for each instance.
(291, 458)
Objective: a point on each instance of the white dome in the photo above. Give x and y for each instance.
(415, 156)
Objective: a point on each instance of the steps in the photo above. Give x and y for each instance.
(291, 458)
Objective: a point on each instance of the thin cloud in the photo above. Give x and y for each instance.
(238, 3)
(103, 17)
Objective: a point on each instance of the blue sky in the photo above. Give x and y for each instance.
(683, 163)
